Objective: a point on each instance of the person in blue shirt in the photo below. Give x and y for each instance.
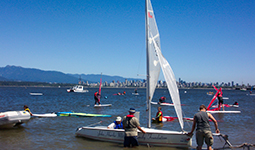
(117, 124)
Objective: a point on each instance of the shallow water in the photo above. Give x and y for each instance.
(59, 132)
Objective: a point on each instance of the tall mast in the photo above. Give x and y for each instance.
(148, 99)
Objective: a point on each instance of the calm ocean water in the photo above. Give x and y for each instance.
(59, 132)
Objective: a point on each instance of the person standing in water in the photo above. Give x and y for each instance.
(220, 100)
(203, 130)
(131, 124)
(96, 98)
(159, 116)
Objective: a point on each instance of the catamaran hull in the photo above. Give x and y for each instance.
(224, 112)
(152, 136)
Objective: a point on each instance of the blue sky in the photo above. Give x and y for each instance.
(204, 41)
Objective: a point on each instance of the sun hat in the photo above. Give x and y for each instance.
(132, 110)
(118, 118)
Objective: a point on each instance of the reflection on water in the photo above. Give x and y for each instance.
(59, 132)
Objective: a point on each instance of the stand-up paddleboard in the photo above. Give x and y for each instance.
(89, 115)
(45, 115)
(102, 105)
(64, 113)
(81, 114)
(223, 112)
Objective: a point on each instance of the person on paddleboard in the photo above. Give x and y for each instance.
(203, 130)
(97, 97)
(131, 124)
(159, 116)
(27, 109)
(117, 124)
(162, 99)
(220, 99)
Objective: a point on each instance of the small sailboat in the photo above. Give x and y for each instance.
(216, 110)
(135, 93)
(251, 94)
(99, 96)
(155, 61)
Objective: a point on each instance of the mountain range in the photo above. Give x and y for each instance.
(17, 73)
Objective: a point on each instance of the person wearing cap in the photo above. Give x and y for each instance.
(131, 124)
(117, 124)
(27, 109)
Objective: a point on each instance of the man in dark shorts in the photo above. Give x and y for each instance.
(131, 124)
(203, 130)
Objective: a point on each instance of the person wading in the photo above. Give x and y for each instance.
(203, 130)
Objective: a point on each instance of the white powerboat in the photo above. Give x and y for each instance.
(78, 89)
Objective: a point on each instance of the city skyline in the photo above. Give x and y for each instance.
(204, 41)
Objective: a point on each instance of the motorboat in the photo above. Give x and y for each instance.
(78, 89)
(11, 119)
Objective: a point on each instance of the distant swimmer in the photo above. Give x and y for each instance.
(162, 99)
(235, 103)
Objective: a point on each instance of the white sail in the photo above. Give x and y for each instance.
(153, 67)
(154, 48)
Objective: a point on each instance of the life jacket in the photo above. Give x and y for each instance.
(95, 94)
(27, 109)
(118, 126)
(159, 116)
(129, 117)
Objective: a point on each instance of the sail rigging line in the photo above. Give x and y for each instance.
(139, 63)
